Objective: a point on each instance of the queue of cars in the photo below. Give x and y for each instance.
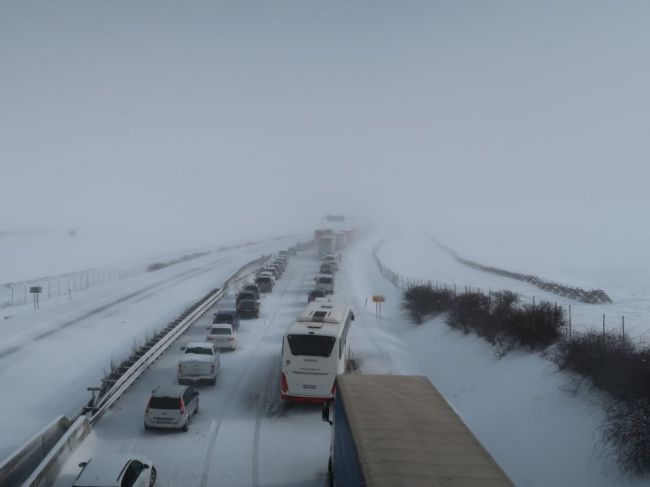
(324, 280)
(172, 406)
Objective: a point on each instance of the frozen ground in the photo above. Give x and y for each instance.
(517, 406)
(413, 254)
(49, 356)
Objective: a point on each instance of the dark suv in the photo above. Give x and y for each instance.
(245, 295)
(315, 293)
(248, 308)
(252, 288)
(227, 316)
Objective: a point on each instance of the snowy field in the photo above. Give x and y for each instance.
(49, 356)
(518, 406)
(413, 254)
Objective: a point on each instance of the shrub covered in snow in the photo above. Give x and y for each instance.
(421, 301)
(499, 317)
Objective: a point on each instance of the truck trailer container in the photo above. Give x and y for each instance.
(398, 431)
(326, 245)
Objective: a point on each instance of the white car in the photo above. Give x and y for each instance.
(116, 471)
(199, 363)
(222, 336)
(171, 407)
(333, 261)
(325, 282)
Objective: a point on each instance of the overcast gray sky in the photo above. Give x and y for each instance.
(259, 117)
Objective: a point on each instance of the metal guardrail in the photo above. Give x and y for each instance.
(149, 353)
(136, 370)
(14, 470)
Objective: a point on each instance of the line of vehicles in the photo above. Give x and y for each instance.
(315, 347)
(171, 406)
(386, 430)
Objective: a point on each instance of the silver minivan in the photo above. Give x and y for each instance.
(171, 407)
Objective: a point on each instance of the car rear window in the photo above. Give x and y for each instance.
(223, 318)
(264, 279)
(164, 403)
(220, 331)
(325, 280)
(311, 345)
(199, 350)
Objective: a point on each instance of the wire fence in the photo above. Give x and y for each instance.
(591, 296)
(404, 283)
(66, 285)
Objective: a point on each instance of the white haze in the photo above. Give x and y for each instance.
(511, 130)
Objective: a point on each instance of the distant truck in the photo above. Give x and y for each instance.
(326, 245)
(396, 430)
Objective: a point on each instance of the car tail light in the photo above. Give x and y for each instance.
(182, 404)
(148, 407)
(285, 384)
(333, 391)
(230, 339)
(212, 367)
(180, 368)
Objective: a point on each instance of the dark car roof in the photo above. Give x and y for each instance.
(229, 315)
(248, 303)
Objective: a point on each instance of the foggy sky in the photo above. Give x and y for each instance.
(259, 117)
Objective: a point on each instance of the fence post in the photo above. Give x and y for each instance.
(623, 323)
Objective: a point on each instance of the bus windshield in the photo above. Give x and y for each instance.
(311, 345)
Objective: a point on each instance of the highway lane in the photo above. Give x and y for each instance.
(243, 435)
(52, 355)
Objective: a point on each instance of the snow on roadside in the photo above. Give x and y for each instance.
(48, 357)
(518, 406)
(413, 254)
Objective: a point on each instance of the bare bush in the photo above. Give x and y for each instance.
(627, 432)
(421, 301)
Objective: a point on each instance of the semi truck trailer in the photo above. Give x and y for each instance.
(398, 431)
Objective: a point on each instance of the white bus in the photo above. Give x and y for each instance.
(315, 348)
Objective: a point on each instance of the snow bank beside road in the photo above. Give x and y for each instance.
(519, 407)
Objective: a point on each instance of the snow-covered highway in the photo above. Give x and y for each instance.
(243, 435)
(48, 357)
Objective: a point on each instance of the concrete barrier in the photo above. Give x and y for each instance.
(46, 472)
(16, 468)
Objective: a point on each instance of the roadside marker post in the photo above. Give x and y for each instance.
(378, 299)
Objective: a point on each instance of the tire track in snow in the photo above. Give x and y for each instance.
(159, 286)
(383, 355)
(215, 425)
(268, 398)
